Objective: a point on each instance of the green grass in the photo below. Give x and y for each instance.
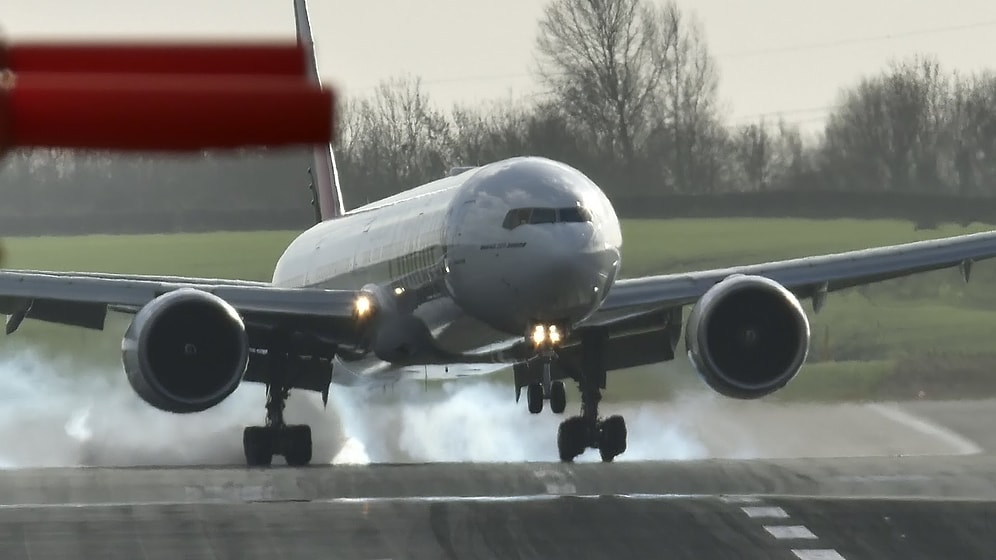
(862, 340)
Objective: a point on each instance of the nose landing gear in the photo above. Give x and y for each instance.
(587, 430)
(554, 391)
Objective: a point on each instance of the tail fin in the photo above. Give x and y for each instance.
(325, 190)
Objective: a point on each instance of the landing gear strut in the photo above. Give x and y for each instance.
(293, 442)
(261, 443)
(587, 430)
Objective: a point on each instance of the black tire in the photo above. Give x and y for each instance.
(558, 397)
(612, 438)
(297, 445)
(257, 444)
(571, 438)
(534, 398)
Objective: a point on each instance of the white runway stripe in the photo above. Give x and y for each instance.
(754, 511)
(789, 531)
(817, 554)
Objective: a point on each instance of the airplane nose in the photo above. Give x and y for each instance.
(571, 280)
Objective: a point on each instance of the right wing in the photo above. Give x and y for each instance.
(83, 299)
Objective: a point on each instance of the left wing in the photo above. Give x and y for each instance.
(631, 300)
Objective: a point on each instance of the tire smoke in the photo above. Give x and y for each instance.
(93, 418)
(479, 421)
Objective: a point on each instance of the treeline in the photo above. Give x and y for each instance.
(629, 96)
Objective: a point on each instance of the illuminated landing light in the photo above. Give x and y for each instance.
(539, 335)
(553, 333)
(546, 336)
(363, 306)
(399, 290)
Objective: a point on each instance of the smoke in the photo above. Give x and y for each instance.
(54, 413)
(479, 421)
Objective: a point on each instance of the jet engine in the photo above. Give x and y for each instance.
(185, 351)
(747, 336)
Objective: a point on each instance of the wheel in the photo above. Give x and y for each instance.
(534, 398)
(257, 444)
(558, 397)
(297, 445)
(612, 438)
(571, 438)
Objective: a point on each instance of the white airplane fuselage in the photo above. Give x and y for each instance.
(453, 260)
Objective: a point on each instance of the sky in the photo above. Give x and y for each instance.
(775, 57)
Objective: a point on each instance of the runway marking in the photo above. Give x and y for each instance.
(963, 445)
(739, 499)
(817, 554)
(789, 531)
(754, 512)
(785, 532)
(556, 482)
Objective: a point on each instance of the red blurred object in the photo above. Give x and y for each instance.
(285, 59)
(143, 112)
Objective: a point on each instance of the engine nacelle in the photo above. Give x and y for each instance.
(747, 336)
(185, 351)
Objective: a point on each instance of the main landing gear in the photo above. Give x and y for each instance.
(261, 443)
(587, 430)
(293, 442)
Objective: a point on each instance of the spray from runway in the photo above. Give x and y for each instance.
(55, 413)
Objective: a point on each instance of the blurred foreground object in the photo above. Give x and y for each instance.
(275, 59)
(160, 97)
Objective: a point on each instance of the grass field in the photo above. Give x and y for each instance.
(930, 333)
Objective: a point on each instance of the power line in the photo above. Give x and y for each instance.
(456, 80)
(856, 40)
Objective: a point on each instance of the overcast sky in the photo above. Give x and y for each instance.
(769, 51)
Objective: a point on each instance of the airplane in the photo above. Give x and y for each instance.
(513, 263)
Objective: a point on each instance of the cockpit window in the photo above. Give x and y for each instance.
(520, 216)
(543, 216)
(516, 218)
(575, 214)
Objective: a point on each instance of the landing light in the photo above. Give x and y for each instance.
(363, 306)
(539, 335)
(554, 334)
(546, 335)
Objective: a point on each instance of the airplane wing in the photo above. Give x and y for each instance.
(82, 299)
(649, 303)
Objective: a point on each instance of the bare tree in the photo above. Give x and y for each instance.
(689, 132)
(395, 139)
(603, 62)
(889, 131)
(972, 134)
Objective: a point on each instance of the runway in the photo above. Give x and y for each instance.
(938, 503)
(924, 507)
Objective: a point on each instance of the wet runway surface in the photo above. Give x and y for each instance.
(917, 507)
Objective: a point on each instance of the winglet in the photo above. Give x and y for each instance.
(325, 189)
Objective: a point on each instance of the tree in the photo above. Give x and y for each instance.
(889, 131)
(603, 62)
(394, 140)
